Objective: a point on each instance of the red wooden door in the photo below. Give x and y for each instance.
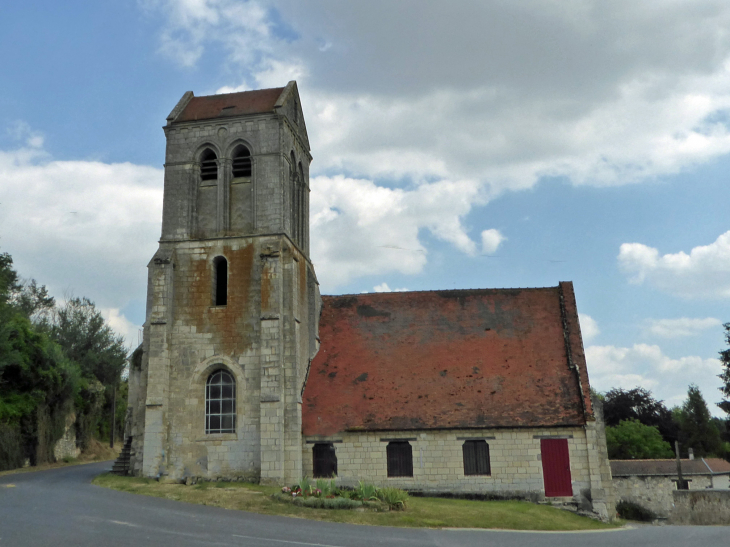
(556, 467)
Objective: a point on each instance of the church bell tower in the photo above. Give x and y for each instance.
(232, 300)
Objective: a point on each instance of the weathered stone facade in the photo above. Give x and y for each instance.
(501, 366)
(264, 332)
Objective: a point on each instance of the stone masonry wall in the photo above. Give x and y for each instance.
(438, 466)
(654, 493)
(701, 507)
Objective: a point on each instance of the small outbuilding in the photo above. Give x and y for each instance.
(651, 483)
(467, 391)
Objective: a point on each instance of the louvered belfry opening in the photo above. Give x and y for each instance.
(325, 460)
(476, 458)
(400, 459)
(208, 165)
(241, 162)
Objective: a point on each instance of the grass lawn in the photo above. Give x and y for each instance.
(421, 512)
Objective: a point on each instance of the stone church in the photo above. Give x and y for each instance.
(246, 372)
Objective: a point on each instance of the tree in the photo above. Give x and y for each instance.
(725, 376)
(631, 439)
(82, 332)
(639, 404)
(696, 429)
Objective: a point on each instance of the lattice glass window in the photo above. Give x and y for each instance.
(220, 403)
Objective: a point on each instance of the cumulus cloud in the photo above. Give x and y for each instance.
(598, 93)
(681, 327)
(123, 326)
(383, 287)
(359, 228)
(703, 273)
(90, 227)
(646, 366)
(588, 327)
(491, 240)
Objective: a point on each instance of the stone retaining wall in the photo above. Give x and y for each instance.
(704, 507)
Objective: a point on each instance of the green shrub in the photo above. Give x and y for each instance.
(633, 511)
(365, 491)
(395, 498)
(327, 487)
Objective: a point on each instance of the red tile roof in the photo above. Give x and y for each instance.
(700, 466)
(447, 359)
(230, 104)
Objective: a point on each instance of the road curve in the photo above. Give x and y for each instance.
(60, 507)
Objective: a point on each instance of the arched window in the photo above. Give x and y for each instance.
(220, 281)
(220, 403)
(294, 198)
(208, 165)
(241, 162)
(302, 204)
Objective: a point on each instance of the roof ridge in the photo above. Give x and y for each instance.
(447, 290)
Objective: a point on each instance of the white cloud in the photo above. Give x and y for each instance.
(89, 227)
(383, 287)
(491, 240)
(588, 327)
(703, 273)
(123, 327)
(359, 228)
(682, 327)
(647, 366)
(601, 95)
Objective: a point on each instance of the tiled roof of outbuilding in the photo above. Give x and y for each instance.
(447, 359)
(701, 466)
(230, 104)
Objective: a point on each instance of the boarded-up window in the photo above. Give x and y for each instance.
(325, 460)
(220, 403)
(476, 458)
(400, 459)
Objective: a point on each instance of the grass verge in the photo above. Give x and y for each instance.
(422, 512)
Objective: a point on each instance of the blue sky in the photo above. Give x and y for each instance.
(456, 145)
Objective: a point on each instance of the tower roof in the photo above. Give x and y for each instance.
(226, 105)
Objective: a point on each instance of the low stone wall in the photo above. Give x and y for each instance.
(654, 493)
(701, 507)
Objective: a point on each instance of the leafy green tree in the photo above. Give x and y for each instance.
(725, 376)
(696, 428)
(82, 332)
(639, 404)
(631, 439)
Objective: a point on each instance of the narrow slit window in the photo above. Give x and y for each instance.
(400, 459)
(241, 162)
(208, 166)
(220, 403)
(325, 460)
(476, 458)
(220, 289)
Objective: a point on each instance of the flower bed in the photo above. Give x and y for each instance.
(323, 494)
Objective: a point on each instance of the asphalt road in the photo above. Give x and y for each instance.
(60, 507)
